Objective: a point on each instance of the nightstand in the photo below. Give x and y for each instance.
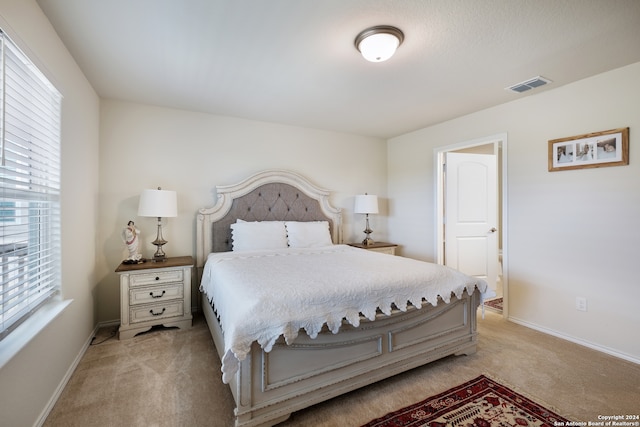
(386, 248)
(155, 293)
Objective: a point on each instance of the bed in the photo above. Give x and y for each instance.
(276, 365)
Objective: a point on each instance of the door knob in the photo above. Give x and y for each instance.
(493, 230)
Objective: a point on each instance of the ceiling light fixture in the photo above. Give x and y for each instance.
(379, 43)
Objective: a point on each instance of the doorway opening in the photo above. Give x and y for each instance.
(495, 145)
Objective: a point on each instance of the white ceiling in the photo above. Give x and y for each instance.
(294, 61)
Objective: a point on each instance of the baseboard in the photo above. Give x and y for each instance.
(106, 324)
(575, 340)
(63, 383)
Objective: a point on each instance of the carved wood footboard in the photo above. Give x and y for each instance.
(270, 386)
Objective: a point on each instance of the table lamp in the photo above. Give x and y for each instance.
(366, 204)
(158, 203)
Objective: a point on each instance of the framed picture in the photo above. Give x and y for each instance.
(592, 150)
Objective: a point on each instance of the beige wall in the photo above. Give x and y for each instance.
(30, 379)
(570, 233)
(145, 147)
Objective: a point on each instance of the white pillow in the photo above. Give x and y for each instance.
(248, 236)
(310, 234)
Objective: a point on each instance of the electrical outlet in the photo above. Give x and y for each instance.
(581, 304)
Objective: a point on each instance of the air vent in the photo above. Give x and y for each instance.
(529, 84)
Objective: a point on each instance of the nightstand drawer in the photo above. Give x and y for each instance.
(383, 247)
(391, 250)
(143, 313)
(150, 294)
(156, 278)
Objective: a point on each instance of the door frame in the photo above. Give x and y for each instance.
(499, 142)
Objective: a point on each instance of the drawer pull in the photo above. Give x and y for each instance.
(157, 314)
(157, 296)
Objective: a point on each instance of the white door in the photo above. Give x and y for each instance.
(471, 215)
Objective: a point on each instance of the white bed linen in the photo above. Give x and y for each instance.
(260, 295)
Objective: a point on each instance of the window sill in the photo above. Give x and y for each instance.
(23, 334)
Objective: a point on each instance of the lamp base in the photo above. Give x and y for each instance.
(368, 241)
(367, 231)
(159, 256)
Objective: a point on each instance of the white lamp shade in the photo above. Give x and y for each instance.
(378, 47)
(366, 204)
(158, 203)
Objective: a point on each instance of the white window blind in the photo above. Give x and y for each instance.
(29, 187)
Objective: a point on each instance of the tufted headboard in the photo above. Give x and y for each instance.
(272, 195)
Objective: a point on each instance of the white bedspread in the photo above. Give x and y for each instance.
(260, 295)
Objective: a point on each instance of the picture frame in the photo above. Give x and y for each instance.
(591, 150)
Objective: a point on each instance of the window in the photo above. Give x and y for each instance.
(29, 187)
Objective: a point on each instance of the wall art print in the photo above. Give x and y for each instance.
(591, 150)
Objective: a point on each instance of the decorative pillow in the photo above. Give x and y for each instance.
(310, 234)
(248, 236)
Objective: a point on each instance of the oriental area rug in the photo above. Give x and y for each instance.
(481, 402)
(496, 304)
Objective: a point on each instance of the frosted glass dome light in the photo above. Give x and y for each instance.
(377, 44)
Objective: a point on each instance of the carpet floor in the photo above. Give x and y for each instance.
(172, 378)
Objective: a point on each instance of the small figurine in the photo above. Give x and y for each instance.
(130, 238)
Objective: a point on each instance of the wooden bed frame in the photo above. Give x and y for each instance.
(268, 387)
